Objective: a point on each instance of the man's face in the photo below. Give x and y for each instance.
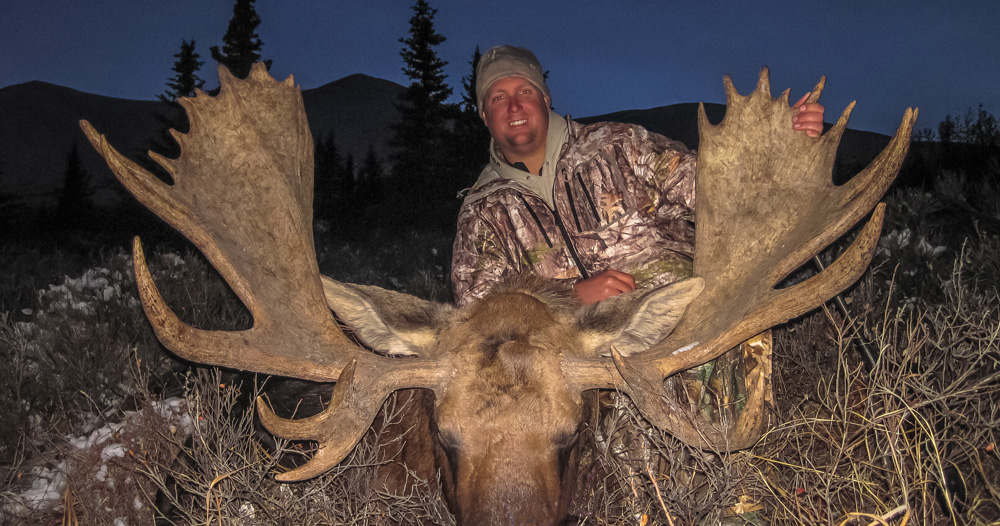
(517, 115)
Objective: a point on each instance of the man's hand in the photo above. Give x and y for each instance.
(809, 119)
(603, 285)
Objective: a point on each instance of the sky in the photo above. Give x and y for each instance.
(602, 56)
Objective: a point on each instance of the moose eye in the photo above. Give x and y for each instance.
(566, 440)
(448, 441)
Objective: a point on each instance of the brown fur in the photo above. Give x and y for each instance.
(506, 423)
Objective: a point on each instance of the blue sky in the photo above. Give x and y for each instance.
(602, 56)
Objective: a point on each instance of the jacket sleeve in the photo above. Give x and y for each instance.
(669, 167)
(478, 259)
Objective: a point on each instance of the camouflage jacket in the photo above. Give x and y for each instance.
(610, 195)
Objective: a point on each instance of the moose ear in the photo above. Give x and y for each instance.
(636, 321)
(388, 322)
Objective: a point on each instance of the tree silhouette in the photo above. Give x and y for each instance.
(186, 80)
(423, 163)
(332, 189)
(370, 179)
(183, 84)
(471, 136)
(970, 144)
(241, 46)
(74, 198)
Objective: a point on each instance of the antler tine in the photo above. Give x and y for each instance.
(665, 412)
(817, 91)
(350, 413)
(872, 180)
(229, 348)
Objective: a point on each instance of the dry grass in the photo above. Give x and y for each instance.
(852, 445)
(858, 444)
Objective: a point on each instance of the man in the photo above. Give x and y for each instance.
(608, 206)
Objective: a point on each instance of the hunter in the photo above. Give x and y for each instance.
(608, 207)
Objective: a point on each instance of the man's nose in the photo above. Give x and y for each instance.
(514, 104)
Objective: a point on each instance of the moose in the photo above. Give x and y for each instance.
(504, 377)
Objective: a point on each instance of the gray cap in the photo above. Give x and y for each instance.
(508, 61)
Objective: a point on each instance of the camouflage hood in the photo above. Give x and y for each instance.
(498, 173)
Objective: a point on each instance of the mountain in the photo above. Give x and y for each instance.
(680, 122)
(359, 110)
(39, 128)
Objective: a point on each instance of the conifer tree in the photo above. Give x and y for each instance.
(74, 198)
(241, 46)
(331, 190)
(186, 80)
(469, 102)
(183, 84)
(471, 135)
(423, 164)
(349, 173)
(370, 178)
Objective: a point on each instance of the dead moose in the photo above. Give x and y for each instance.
(507, 373)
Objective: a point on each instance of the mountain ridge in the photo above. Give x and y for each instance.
(39, 128)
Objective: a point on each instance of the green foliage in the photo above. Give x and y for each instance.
(241, 46)
(186, 80)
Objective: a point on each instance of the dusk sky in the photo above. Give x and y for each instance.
(943, 57)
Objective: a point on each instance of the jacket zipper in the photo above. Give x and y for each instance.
(562, 230)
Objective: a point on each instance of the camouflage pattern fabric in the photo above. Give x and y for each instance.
(623, 199)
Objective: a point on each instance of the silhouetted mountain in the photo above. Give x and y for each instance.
(677, 121)
(39, 126)
(359, 110)
(680, 122)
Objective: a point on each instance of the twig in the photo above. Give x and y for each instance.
(658, 497)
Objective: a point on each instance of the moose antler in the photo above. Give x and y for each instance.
(242, 194)
(766, 205)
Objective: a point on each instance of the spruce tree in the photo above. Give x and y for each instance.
(186, 80)
(370, 178)
(423, 164)
(472, 138)
(241, 46)
(469, 102)
(330, 193)
(74, 198)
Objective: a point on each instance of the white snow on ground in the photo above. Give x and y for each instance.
(896, 240)
(47, 488)
(73, 301)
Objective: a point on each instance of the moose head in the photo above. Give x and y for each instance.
(507, 372)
